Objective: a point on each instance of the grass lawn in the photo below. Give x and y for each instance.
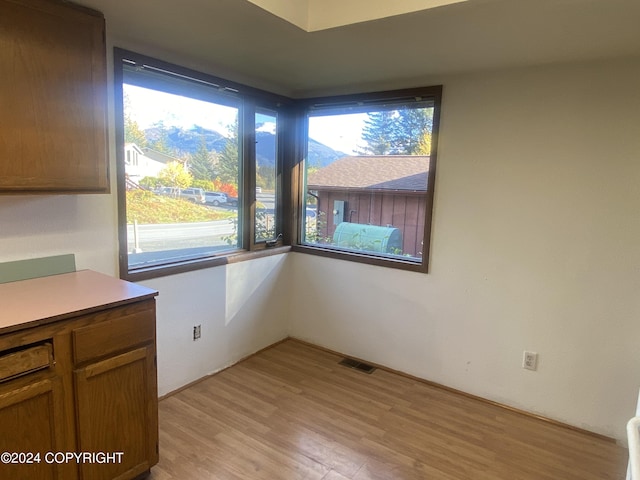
(148, 208)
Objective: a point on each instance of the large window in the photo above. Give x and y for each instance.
(368, 177)
(211, 172)
(199, 168)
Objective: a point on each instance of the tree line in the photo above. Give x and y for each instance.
(405, 131)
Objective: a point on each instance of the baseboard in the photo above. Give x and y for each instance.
(464, 394)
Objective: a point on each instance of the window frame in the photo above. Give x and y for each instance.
(278, 210)
(290, 200)
(251, 100)
(432, 93)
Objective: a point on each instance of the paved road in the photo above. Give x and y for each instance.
(154, 238)
(180, 235)
(267, 199)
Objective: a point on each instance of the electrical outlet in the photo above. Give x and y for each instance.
(530, 360)
(196, 332)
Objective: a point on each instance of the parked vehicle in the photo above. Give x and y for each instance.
(195, 195)
(232, 201)
(215, 198)
(168, 191)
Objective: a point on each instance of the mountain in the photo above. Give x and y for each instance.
(181, 141)
(185, 141)
(265, 146)
(319, 155)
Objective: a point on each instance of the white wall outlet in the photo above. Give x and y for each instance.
(530, 360)
(196, 332)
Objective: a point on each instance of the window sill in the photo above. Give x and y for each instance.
(362, 258)
(176, 268)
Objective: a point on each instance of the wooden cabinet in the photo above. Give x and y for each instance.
(52, 98)
(113, 422)
(34, 408)
(80, 378)
(116, 356)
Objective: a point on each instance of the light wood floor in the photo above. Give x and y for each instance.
(291, 412)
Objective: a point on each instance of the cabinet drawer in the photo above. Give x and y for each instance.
(124, 330)
(26, 360)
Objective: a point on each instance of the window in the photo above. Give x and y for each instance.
(211, 171)
(266, 175)
(368, 177)
(199, 165)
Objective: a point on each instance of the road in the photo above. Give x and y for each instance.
(153, 238)
(267, 199)
(173, 236)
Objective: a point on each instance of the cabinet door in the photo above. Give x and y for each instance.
(117, 411)
(32, 422)
(52, 98)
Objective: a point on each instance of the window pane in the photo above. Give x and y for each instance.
(367, 180)
(266, 175)
(182, 173)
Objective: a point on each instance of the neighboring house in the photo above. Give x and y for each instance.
(140, 163)
(160, 157)
(376, 190)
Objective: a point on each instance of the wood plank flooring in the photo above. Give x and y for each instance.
(291, 412)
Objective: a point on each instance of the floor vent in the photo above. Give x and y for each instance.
(351, 363)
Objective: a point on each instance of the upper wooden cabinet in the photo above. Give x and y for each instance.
(52, 98)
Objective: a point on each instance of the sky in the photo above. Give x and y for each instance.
(150, 106)
(340, 132)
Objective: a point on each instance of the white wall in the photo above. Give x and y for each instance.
(241, 307)
(44, 225)
(536, 245)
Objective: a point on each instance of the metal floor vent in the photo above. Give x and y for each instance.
(351, 363)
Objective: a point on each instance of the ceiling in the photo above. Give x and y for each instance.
(238, 40)
(314, 15)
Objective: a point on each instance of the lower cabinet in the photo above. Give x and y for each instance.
(35, 409)
(116, 406)
(86, 385)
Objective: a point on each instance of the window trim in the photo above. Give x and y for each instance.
(250, 99)
(357, 101)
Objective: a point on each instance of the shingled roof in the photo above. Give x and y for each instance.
(389, 172)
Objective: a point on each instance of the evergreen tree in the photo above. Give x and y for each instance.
(161, 142)
(228, 161)
(397, 132)
(412, 124)
(378, 133)
(201, 162)
(132, 131)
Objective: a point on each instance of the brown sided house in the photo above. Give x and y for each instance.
(374, 190)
